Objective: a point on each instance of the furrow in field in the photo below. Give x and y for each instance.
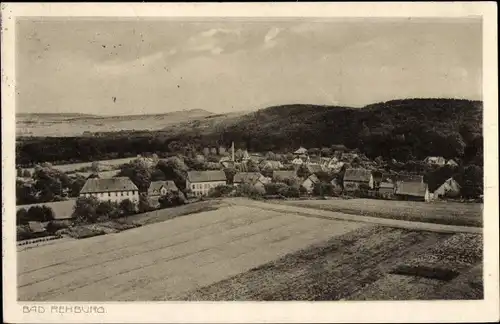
(160, 253)
(87, 247)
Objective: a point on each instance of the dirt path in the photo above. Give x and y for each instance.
(310, 212)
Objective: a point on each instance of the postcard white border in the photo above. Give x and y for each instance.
(246, 312)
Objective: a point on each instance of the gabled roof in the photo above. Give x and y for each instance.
(359, 175)
(313, 178)
(301, 150)
(272, 164)
(206, 176)
(156, 185)
(313, 168)
(108, 185)
(410, 178)
(411, 188)
(284, 174)
(250, 177)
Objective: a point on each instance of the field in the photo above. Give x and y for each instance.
(113, 163)
(161, 261)
(248, 251)
(435, 212)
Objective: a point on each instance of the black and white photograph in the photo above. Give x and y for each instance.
(250, 159)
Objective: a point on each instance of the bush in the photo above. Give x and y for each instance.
(108, 209)
(220, 191)
(276, 188)
(54, 226)
(127, 207)
(40, 214)
(22, 217)
(85, 210)
(247, 190)
(172, 199)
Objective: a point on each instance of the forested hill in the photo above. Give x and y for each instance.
(401, 129)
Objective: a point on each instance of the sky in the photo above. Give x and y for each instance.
(130, 66)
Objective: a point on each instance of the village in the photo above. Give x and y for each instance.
(302, 174)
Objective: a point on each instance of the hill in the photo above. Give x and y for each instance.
(401, 129)
(69, 124)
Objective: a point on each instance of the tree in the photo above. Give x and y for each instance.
(85, 209)
(26, 173)
(171, 199)
(144, 205)
(271, 156)
(127, 207)
(220, 191)
(40, 214)
(303, 171)
(76, 186)
(22, 217)
(139, 174)
(25, 193)
(174, 169)
(252, 166)
(19, 172)
(230, 172)
(107, 209)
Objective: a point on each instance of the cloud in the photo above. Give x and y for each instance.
(218, 31)
(269, 38)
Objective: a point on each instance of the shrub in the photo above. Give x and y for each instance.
(85, 210)
(54, 226)
(127, 207)
(108, 209)
(275, 188)
(40, 214)
(220, 191)
(171, 199)
(22, 217)
(247, 190)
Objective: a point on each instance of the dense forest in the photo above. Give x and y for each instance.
(405, 130)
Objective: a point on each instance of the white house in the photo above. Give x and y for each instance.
(200, 182)
(297, 161)
(300, 151)
(354, 178)
(160, 188)
(310, 182)
(113, 189)
(450, 188)
(452, 163)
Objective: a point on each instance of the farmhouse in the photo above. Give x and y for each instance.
(160, 188)
(435, 160)
(300, 151)
(354, 178)
(450, 188)
(297, 161)
(412, 190)
(255, 179)
(200, 182)
(310, 182)
(113, 189)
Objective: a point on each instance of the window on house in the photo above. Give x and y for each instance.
(109, 194)
(192, 186)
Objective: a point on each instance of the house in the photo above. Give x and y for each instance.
(274, 165)
(284, 174)
(113, 189)
(300, 151)
(335, 165)
(412, 190)
(245, 156)
(249, 177)
(452, 163)
(297, 161)
(200, 182)
(253, 178)
(435, 160)
(354, 178)
(348, 157)
(226, 162)
(450, 188)
(160, 188)
(386, 188)
(310, 182)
